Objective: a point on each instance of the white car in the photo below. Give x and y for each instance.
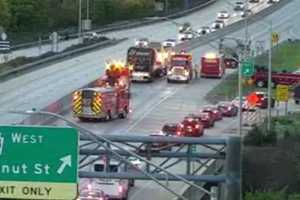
(273, 1)
(91, 35)
(203, 30)
(239, 6)
(223, 14)
(141, 42)
(169, 43)
(185, 36)
(218, 24)
(246, 13)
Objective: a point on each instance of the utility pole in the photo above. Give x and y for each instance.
(79, 22)
(269, 79)
(87, 9)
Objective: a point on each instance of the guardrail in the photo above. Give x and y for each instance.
(56, 57)
(63, 104)
(126, 25)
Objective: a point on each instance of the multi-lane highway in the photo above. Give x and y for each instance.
(51, 83)
(152, 104)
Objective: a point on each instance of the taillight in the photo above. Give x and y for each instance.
(101, 198)
(197, 126)
(75, 96)
(89, 186)
(120, 189)
(178, 133)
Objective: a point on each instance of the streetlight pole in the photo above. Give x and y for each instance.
(87, 9)
(269, 79)
(79, 21)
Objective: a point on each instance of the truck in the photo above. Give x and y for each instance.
(108, 99)
(147, 63)
(180, 69)
(260, 78)
(107, 189)
(212, 65)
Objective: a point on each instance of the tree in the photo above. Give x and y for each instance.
(4, 14)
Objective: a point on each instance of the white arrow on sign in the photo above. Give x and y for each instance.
(66, 161)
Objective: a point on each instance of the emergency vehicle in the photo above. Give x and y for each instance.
(147, 62)
(108, 99)
(212, 65)
(181, 68)
(111, 188)
(285, 78)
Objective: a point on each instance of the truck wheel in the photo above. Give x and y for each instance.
(297, 101)
(123, 115)
(168, 81)
(260, 83)
(82, 119)
(131, 183)
(108, 116)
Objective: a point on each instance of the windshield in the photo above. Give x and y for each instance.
(140, 58)
(179, 63)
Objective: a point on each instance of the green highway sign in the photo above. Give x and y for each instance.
(38, 162)
(248, 68)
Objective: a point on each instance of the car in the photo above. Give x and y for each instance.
(156, 146)
(227, 108)
(169, 43)
(92, 192)
(239, 6)
(205, 118)
(262, 101)
(185, 36)
(218, 24)
(245, 104)
(223, 14)
(143, 42)
(231, 63)
(246, 13)
(191, 127)
(91, 36)
(171, 129)
(185, 27)
(273, 1)
(254, 1)
(215, 112)
(203, 30)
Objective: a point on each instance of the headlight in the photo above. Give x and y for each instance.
(190, 36)
(186, 73)
(169, 73)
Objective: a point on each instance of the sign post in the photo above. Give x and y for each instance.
(38, 162)
(282, 95)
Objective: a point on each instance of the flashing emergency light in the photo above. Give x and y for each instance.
(210, 55)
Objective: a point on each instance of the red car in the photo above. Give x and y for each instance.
(192, 127)
(215, 112)
(156, 146)
(172, 129)
(263, 100)
(205, 118)
(227, 109)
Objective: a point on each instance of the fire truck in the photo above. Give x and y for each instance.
(109, 98)
(147, 62)
(212, 65)
(180, 69)
(285, 78)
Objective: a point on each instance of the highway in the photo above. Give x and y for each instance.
(153, 104)
(53, 82)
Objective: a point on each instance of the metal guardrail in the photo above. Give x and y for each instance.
(61, 55)
(122, 26)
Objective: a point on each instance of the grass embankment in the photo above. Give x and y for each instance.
(286, 56)
(271, 162)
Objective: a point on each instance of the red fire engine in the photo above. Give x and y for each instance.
(285, 78)
(212, 65)
(108, 99)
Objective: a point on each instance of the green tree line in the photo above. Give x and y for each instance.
(47, 15)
